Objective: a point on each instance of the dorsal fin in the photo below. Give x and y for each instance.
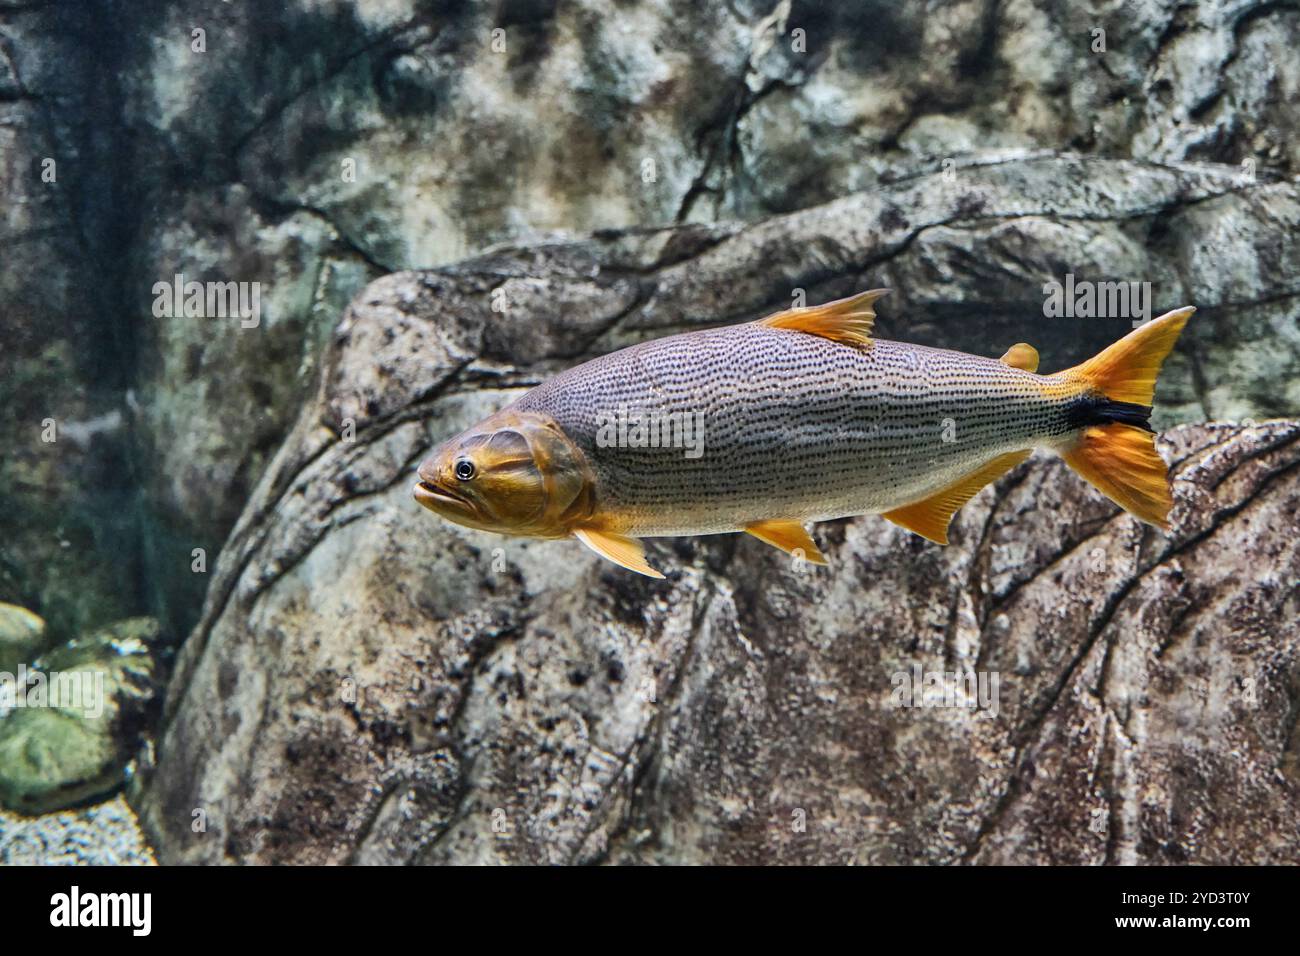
(789, 536)
(1022, 355)
(930, 518)
(844, 320)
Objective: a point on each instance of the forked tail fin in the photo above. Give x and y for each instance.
(1122, 463)
(1116, 453)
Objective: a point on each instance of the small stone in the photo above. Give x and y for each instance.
(67, 734)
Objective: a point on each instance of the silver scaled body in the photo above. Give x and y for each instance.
(795, 426)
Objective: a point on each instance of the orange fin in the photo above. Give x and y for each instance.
(1022, 355)
(619, 548)
(844, 320)
(1120, 460)
(789, 536)
(930, 517)
(1127, 370)
(1122, 463)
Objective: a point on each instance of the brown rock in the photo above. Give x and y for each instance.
(370, 684)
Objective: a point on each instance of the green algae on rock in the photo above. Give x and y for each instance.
(69, 731)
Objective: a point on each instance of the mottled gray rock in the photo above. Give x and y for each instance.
(312, 147)
(369, 684)
(410, 135)
(966, 255)
(65, 480)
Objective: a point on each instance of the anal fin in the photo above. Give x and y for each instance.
(789, 536)
(931, 516)
(619, 548)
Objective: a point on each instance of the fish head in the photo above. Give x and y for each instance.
(513, 473)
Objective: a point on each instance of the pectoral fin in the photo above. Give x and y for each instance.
(788, 536)
(619, 548)
(1022, 355)
(930, 518)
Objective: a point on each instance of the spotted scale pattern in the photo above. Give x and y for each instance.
(795, 426)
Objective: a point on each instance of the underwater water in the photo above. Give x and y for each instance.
(257, 264)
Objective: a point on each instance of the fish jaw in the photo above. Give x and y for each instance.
(444, 504)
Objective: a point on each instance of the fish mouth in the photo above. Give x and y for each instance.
(439, 499)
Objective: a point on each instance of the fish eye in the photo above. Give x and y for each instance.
(464, 469)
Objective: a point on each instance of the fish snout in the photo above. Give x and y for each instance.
(429, 489)
(428, 470)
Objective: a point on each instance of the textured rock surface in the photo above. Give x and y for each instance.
(369, 684)
(63, 355)
(378, 137)
(315, 144)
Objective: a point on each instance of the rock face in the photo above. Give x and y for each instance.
(66, 481)
(415, 133)
(314, 145)
(370, 684)
(964, 154)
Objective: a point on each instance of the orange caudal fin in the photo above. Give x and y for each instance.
(1115, 450)
(1122, 463)
(1127, 370)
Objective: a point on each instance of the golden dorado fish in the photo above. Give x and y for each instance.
(765, 426)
